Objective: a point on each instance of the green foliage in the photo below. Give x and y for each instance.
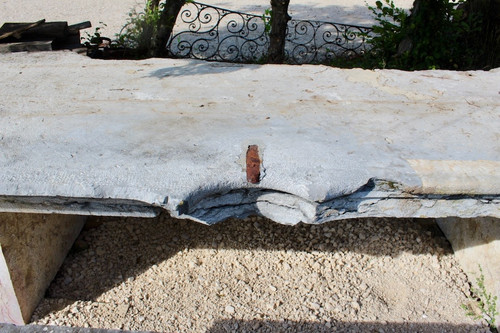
(434, 36)
(141, 29)
(388, 32)
(267, 17)
(94, 39)
(486, 303)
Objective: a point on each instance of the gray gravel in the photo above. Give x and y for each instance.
(377, 275)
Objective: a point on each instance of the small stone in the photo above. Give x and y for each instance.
(329, 307)
(229, 309)
(256, 325)
(122, 309)
(315, 306)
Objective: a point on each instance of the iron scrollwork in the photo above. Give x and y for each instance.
(320, 42)
(218, 34)
(213, 33)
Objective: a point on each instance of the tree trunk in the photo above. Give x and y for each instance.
(166, 25)
(487, 39)
(279, 21)
(153, 4)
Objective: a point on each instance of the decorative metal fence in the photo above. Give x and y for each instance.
(212, 33)
(320, 42)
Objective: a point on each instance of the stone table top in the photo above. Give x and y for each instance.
(134, 137)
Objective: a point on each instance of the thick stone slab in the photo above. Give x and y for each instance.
(80, 136)
(32, 248)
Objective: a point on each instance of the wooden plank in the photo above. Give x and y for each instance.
(46, 30)
(74, 28)
(40, 45)
(6, 33)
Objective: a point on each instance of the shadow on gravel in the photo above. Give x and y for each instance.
(270, 326)
(110, 251)
(293, 326)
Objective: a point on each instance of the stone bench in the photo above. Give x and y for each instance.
(207, 141)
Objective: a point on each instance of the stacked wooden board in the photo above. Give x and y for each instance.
(40, 36)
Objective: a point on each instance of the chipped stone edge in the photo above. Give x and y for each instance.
(377, 198)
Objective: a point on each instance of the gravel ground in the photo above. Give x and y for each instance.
(165, 275)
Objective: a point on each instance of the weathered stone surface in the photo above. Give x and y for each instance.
(129, 138)
(476, 243)
(32, 248)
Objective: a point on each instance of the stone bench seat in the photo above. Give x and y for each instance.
(82, 137)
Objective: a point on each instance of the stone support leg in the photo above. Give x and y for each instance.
(476, 242)
(32, 248)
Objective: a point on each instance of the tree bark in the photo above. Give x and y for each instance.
(487, 40)
(279, 22)
(153, 4)
(166, 25)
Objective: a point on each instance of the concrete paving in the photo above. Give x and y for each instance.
(87, 137)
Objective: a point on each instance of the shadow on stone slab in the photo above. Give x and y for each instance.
(197, 67)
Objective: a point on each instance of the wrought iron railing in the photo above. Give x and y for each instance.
(320, 42)
(212, 33)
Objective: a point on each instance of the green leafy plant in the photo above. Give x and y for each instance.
(433, 36)
(267, 18)
(486, 303)
(389, 32)
(141, 29)
(146, 33)
(96, 38)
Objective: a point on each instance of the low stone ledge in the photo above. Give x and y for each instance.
(476, 243)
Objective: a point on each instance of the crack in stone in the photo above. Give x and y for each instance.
(377, 197)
